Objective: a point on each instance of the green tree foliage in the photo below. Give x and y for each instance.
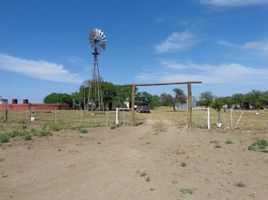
(238, 98)
(58, 98)
(179, 95)
(205, 99)
(152, 100)
(166, 99)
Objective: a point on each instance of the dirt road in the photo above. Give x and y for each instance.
(141, 163)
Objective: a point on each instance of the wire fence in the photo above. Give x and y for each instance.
(252, 120)
(65, 118)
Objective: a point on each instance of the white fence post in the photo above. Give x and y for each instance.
(231, 118)
(116, 116)
(208, 118)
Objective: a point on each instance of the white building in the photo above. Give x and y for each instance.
(3, 100)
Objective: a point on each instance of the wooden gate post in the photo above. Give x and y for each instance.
(189, 102)
(133, 104)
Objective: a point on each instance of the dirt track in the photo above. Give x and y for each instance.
(133, 163)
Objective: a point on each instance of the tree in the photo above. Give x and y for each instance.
(238, 99)
(58, 98)
(179, 95)
(166, 99)
(217, 104)
(205, 99)
(152, 100)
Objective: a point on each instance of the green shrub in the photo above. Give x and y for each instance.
(183, 164)
(54, 127)
(27, 136)
(83, 130)
(228, 142)
(40, 133)
(259, 145)
(187, 191)
(214, 142)
(240, 184)
(24, 126)
(13, 133)
(3, 138)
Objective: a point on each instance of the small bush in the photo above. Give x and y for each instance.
(228, 142)
(83, 130)
(54, 127)
(214, 142)
(187, 191)
(240, 184)
(216, 146)
(13, 133)
(259, 145)
(40, 133)
(24, 126)
(28, 136)
(183, 164)
(3, 138)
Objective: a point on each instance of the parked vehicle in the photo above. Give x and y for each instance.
(143, 108)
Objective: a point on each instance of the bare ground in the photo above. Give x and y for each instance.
(134, 163)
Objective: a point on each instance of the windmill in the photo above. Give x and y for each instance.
(97, 41)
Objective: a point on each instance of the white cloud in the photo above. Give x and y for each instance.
(227, 44)
(38, 69)
(256, 45)
(176, 42)
(234, 3)
(230, 73)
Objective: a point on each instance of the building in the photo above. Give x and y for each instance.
(3, 100)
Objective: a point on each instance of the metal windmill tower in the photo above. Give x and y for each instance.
(97, 41)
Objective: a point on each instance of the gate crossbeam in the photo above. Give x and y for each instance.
(189, 99)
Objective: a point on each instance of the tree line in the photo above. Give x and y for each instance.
(251, 100)
(116, 95)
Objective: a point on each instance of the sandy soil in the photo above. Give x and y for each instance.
(133, 163)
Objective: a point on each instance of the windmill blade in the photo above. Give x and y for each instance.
(97, 39)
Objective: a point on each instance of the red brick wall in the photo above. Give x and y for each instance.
(35, 106)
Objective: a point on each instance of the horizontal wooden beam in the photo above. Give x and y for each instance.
(167, 83)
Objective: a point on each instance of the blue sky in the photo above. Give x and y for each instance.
(44, 45)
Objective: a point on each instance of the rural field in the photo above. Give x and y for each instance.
(157, 159)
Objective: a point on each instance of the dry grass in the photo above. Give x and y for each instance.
(69, 119)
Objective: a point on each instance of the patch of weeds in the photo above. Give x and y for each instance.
(54, 127)
(217, 146)
(23, 121)
(229, 142)
(3, 138)
(159, 127)
(183, 164)
(27, 136)
(40, 133)
(13, 133)
(259, 145)
(83, 130)
(214, 142)
(114, 126)
(24, 126)
(240, 184)
(187, 191)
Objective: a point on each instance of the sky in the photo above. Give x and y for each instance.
(44, 45)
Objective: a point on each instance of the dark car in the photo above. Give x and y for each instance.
(143, 108)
